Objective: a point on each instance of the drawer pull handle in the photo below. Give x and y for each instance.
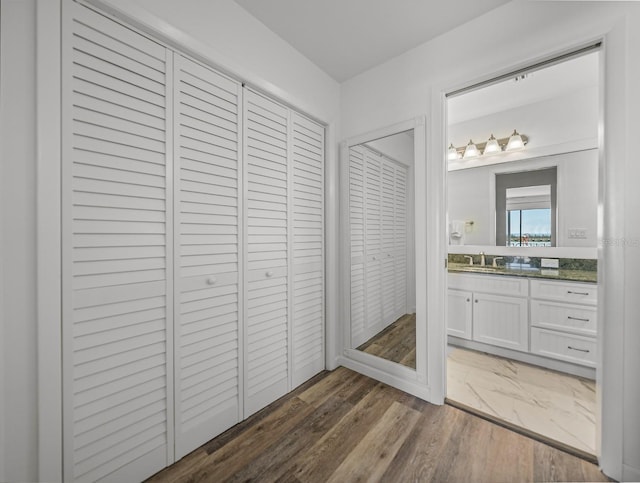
(269, 274)
(468, 300)
(577, 293)
(211, 280)
(577, 318)
(576, 349)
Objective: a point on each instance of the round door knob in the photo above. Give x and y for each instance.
(269, 274)
(211, 280)
(468, 300)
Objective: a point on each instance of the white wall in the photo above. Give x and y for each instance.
(553, 122)
(471, 197)
(523, 32)
(219, 30)
(18, 443)
(398, 146)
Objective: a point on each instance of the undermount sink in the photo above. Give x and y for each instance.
(478, 268)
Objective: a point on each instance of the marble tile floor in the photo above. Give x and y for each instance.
(557, 406)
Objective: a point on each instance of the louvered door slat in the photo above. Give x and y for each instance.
(208, 294)
(116, 242)
(267, 285)
(307, 254)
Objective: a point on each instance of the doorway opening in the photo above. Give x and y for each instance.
(522, 224)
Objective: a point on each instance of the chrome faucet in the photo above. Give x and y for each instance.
(495, 261)
(482, 260)
(470, 259)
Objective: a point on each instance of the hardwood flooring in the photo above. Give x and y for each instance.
(342, 426)
(395, 343)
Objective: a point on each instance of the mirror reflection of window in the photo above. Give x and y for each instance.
(529, 216)
(526, 208)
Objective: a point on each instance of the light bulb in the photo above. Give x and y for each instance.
(492, 146)
(471, 151)
(453, 153)
(515, 142)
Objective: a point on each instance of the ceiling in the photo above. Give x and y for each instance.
(347, 37)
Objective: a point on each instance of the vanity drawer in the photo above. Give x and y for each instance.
(567, 347)
(568, 317)
(493, 284)
(575, 293)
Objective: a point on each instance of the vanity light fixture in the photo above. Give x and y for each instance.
(453, 153)
(471, 151)
(492, 147)
(515, 142)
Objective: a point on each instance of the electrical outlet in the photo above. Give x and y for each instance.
(550, 263)
(577, 233)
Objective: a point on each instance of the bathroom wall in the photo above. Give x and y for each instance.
(471, 197)
(410, 85)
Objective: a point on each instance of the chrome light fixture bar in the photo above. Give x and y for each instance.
(490, 147)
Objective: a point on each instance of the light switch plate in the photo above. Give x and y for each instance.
(550, 263)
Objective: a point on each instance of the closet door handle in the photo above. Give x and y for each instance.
(577, 318)
(269, 274)
(211, 280)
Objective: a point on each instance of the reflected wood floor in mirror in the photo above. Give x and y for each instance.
(395, 343)
(342, 426)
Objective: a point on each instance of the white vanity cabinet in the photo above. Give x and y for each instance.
(489, 309)
(564, 321)
(544, 321)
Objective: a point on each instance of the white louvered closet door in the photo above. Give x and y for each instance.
(207, 273)
(307, 254)
(117, 248)
(268, 237)
(373, 247)
(388, 225)
(357, 238)
(400, 241)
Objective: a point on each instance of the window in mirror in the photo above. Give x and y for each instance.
(526, 208)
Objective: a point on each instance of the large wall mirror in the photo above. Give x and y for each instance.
(382, 291)
(378, 218)
(539, 193)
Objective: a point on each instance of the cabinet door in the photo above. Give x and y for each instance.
(459, 313)
(207, 335)
(267, 251)
(117, 249)
(307, 255)
(501, 321)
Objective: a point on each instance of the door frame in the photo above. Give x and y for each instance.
(612, 155)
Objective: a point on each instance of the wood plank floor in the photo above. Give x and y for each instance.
(395, 343)
(342, 426)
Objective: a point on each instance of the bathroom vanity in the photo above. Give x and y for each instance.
(540, 317)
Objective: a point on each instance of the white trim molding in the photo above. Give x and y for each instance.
(48, 192)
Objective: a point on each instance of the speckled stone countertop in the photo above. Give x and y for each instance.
(516, 270)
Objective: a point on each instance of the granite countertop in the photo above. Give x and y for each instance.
(530, 272)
